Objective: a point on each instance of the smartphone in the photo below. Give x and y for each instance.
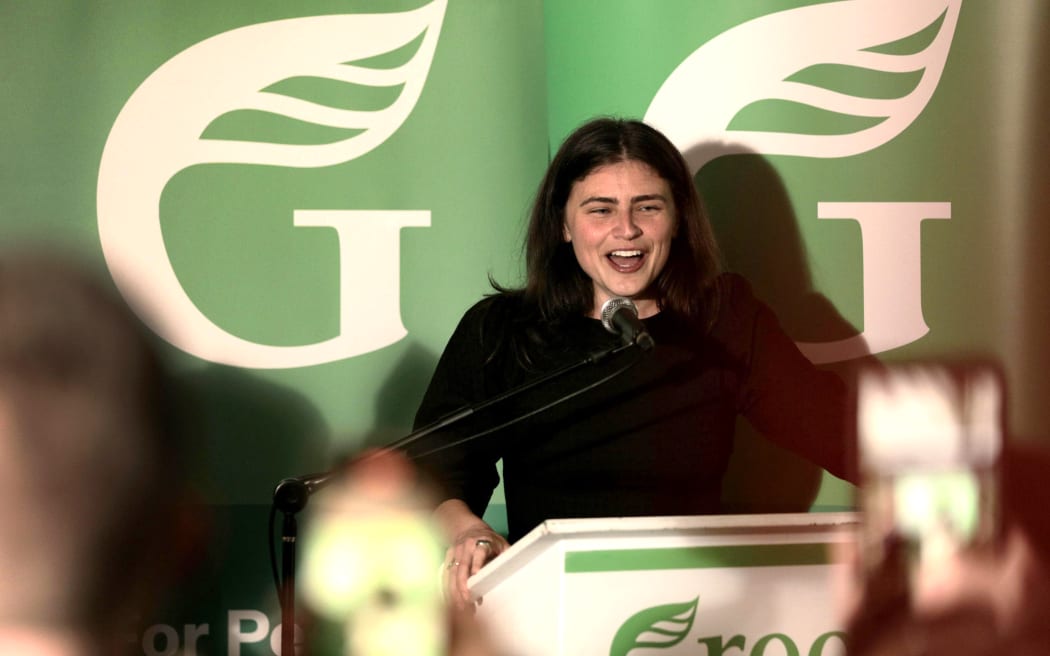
(929, 441)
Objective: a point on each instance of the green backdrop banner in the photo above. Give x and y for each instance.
(304, 197)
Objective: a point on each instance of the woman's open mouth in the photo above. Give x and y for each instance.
(626, 261)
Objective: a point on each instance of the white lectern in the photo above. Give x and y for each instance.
(747, 585)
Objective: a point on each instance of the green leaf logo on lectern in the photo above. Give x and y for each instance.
(658, 627)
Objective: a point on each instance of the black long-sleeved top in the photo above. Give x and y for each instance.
(654, 440)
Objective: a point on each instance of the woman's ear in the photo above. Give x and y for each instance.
(565, 234)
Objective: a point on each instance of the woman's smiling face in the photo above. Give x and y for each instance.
(620, 220)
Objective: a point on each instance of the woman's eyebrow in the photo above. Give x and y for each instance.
(645, 197)
(613, 201)
(598, 199)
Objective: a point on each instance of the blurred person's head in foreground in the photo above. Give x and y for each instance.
(89, 461)
(372, 563)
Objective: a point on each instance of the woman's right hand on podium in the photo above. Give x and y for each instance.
(472, 544)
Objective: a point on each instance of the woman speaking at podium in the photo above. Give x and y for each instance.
(632, 432)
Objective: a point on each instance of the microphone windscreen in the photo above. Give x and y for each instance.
(611, 307)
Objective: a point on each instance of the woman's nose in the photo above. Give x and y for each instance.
(626, 228)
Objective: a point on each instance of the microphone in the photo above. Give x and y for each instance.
(291, 494)
(620, 317)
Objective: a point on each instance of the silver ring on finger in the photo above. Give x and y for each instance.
(483, 543)
(452, 565)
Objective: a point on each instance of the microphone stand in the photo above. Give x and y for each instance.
(466, 411)
(291, 494)
(289, 497)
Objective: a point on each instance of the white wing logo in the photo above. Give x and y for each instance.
(755, 61)
(159, 133)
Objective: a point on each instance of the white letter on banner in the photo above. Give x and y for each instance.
(369, 276)
(190, 635)
(237, 637)
(170, 640)
(277, 637)
(891, 251)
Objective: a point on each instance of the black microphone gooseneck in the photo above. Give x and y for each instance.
(291, 494)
